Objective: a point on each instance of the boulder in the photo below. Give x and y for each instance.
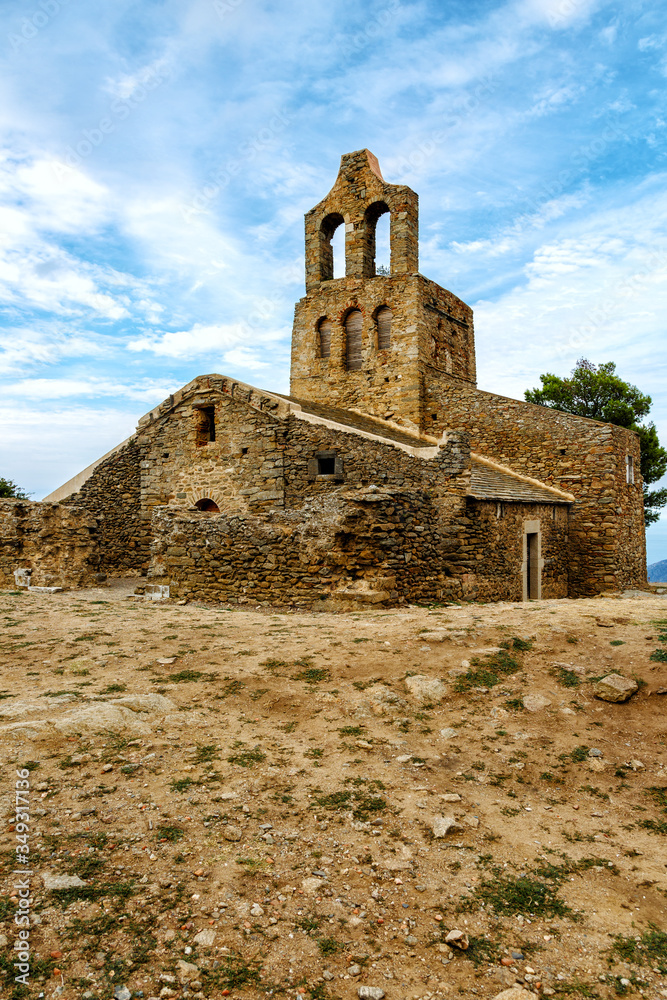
(145, 703)
(101, 716)
(425, 689)
(535, 702)
(442, 825)
(615, 687)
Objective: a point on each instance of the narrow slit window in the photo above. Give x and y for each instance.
(629, 469)
(204, 425)
(353, 341)
(384, 318)
(324, 338)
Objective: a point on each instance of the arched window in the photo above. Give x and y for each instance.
(353, 341)
(208, 505)
(331, 224)
(324, 338)
(372, 214)
(383, 319)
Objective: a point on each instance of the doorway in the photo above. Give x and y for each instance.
(532, 561)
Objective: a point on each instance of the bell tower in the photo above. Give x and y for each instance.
(369, 341)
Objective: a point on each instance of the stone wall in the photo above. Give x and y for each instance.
(587, 458)
(495, 549)
(240, 469)
(57, 544)
(431, 332)
(365, 462)
(113, 494)
(367, 546)
(364, 546)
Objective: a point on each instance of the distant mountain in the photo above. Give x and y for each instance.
(657, 572)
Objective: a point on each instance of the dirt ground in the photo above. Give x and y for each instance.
(255, 802)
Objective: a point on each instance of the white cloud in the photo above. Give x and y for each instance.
(200, 339)
(146, 390)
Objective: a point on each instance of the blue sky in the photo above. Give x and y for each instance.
(158, 156)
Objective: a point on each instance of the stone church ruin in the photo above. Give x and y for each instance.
(386, 475)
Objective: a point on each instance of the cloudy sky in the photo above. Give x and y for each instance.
(158, 157)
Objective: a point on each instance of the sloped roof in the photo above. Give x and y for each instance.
(361, 422)
(490, 481)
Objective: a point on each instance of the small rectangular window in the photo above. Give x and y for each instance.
(326, 466)
(629, 469)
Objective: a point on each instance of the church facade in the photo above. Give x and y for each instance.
(384, 476)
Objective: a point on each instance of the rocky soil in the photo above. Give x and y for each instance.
(418, 803)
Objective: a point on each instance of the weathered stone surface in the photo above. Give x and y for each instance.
(52, 881)
(186, 971)
(535, 702)
(101, 716)
(145, 703)
(515, 993)
(370, 993)
(205, 938)
(615, 687)
(442, 825)
(425, 689)
(233, 833)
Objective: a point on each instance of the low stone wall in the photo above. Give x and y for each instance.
(55, 545)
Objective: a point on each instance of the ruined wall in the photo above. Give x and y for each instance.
(494, 548)
(368, 546)
(113, 493)
(431, 331)
(587, 458)
(58, 544)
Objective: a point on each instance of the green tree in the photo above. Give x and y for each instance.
(9, 490)
(596, 391)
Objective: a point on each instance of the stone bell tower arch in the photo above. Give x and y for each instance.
(368, 341)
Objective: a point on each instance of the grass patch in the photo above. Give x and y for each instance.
(92, 893)
(566, 678)
(483, 951)
(329, 945)
(312, 675)
(654, 826)
(247, 757)
(509, 896)
(360, 798)
(649, 949)
(205, 752)
(235, 972)
(181, 784)
(657, 793)
(184, 676)
(487, 672)
(171, 833)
